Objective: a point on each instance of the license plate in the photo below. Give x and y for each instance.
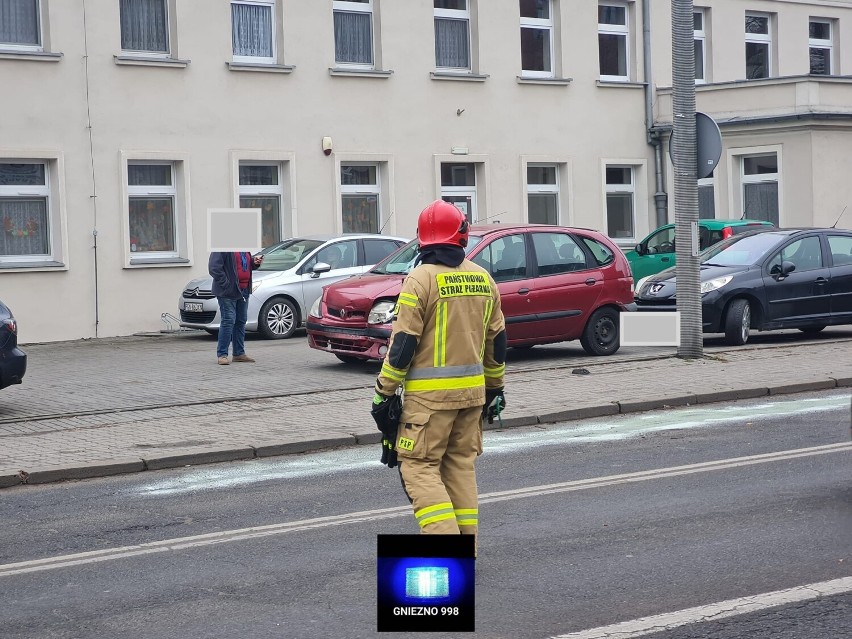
(193, 307)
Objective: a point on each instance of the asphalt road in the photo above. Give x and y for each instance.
(551, 562)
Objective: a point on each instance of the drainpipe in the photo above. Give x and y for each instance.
(653, 134)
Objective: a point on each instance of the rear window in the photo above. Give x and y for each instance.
(601, 252)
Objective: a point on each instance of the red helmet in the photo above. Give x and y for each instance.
(442, 223)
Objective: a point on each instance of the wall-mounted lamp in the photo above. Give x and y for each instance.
(326, 145)
(459, 150)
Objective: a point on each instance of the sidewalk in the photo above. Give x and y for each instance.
(105, 407)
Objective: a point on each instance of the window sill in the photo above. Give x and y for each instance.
(620, 84)
(549, 81)
(158, 261)
(261, 67)
(32, 56)
(360, 73)
(48, 265)
(153, 61)
(462, 76)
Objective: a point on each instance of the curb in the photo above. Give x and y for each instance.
(194, 457)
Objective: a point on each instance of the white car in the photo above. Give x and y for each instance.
(289, 281)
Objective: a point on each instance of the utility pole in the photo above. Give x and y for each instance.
(684, 145)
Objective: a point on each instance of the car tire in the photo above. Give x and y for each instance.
(349, 359)
(812, 330)
(600, 336)
(278, 318)
(738, 322)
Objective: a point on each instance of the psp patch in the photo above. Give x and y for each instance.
(463, 283)
(406, 444)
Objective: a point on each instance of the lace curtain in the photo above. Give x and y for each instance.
(251, 30)
(761, 202)
(452, 45)
(24, 228)
(353, 37)
(144, 25)
(19, 22)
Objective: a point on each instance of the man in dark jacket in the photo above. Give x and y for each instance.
(231, 273)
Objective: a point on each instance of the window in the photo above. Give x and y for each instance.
(144, 26)
(806, 254)
(820, 46)
(452, 35)
(840, 247)
(537, 38)
(261, 188)
(662, 241)
(619, 201)
(760, 187)
(505, 258)
(543, 194)
(758, 46)
(700, 40)
(353, 32)
(377, 250)
(613, 35)
(360, 194)
(338, 255)
(20, 26)
(602, 254)
(152, 196)
(253, 31)
(706, 199)
(25, 231)
(458, 186)
(558, 253)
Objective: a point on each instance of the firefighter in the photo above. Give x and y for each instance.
(448, 352)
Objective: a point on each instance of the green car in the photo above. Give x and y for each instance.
(657, 251)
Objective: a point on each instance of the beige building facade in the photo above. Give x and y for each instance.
(124, 121)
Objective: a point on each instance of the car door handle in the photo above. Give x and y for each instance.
(591, 281)
(821, 280)
(523, 291)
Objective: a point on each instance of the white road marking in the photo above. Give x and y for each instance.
(712, 612)
(616, 427)
(241, 534)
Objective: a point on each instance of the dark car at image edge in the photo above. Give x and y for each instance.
(13, 361)
(766, 280)
(556, 284)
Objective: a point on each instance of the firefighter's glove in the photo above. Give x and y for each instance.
(495, 402)
(386, 411)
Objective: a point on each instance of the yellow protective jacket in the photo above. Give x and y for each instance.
(454, 314)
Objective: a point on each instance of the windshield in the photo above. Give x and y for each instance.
(401, 262)
(740, 250)
(284, 256)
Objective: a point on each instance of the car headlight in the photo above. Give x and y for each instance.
(641, 283)
(381, 313)
(712, 285)
(315, 308)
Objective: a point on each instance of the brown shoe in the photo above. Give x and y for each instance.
(242, 358)
(223, 361)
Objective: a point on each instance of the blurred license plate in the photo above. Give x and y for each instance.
(193, 307)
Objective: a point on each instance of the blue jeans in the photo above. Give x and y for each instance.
(232, 328)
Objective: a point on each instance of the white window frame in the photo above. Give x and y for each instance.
(761, 38)
(361, 189)
(169, 37)
(700, 35)
(639, 191)
(41, 191)
(456, 14)
(761, 178)
(182, 255)
(274, 35)
(545, 189)
(39, 46)
(357, 7)
(619, 30)
(540, 24)
(265, 190)
(286, 163)
(814, 43)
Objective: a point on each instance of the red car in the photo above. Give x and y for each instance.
(556, 283)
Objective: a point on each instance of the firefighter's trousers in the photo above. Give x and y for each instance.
(437, 451)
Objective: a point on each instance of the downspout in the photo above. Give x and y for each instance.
(94, 195)
(653, 134)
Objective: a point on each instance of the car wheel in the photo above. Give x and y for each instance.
(278, 318)
(348, 359)
(600, 337)
(738, 322)
(812, 330)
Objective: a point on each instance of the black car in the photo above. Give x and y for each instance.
(13, 361)
(784, 278)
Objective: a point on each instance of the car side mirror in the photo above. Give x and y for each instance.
(319, 268)
(640, 249)
(787, 268)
